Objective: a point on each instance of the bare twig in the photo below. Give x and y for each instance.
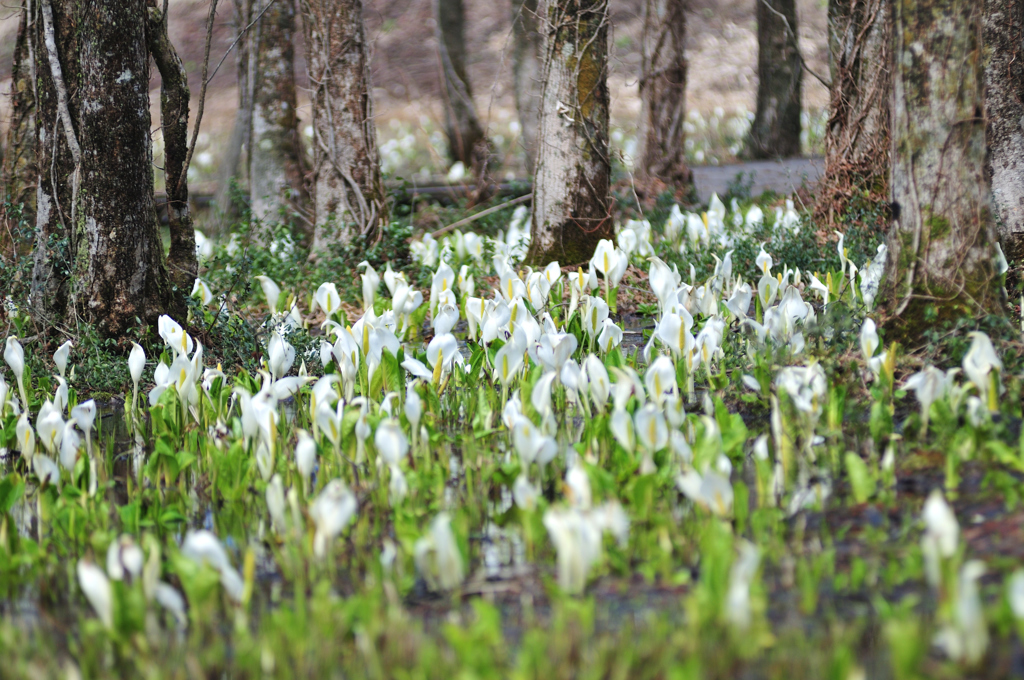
(482, 213)
(241, 34)
(202, 97)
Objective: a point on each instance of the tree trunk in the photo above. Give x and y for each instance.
(275, 159)
(526, 74)
(571, 210)
(174, 98)
(466, 139)
(17, 157)
(349, 195)
(1004, 110)
(225, 206)
(775, 132)
(661, 151)
(941, 247)
(857, 139)
(98, 248)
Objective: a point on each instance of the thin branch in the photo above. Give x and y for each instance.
(483, 213)
(241, 34)
(202, 97)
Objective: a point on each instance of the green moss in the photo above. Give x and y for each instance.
(938, 225)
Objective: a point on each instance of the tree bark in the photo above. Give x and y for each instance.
(661, 151)
(225, 205)
(1004, 110)
(466, 139)
(775, 132)
(571, 210)
(182, 265)
(527, 68)
(276, 170)
(349, 196)
(17, 157)
(941, 247)
(98, 251)
(857, 138)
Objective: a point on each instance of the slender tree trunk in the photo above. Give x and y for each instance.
(776, 128)
(941, 247)
(527, 68)
(857, 139)
(96, 218)
(17, 157)
(1004, 110)
(182, 265)
(466, 139)
(571, 210)
(349, 195)
(226, 207)
(58, 172)
(275, 168)
(662, 141)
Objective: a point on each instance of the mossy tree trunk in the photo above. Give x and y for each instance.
(527, 69)
(571, 209)
(349, 197)
(276, 172)
(226, 208)
(942, 259)
(174, 99)
(661, 151)
(775, 131)
(98, 251)
(1004, 110)
(857, 141)
(17, 155)
(466, 139)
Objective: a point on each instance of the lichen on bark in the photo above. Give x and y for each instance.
(941, 246)
(571, 210)
(1004, 112)
(276, 171)
(98, 252)
(349, 197)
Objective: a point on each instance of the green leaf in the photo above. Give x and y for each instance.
(862, 481)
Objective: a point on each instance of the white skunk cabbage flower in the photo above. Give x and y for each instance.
(331, 512)
(96, 586)
(60, 357)
(203, 547)
(965, 640)
(979, 362)
(737, 599)
(437, 556)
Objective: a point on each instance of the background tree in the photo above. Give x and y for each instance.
(775, 131)
(466, 139)
(17, 152)
(527, 69)
(349, 197)
(98, 251)
(661, 150)
(276, 173)
(225, 209)
(571, 210)
(942, 259)
(857, 137)
(1004, 111)
(174, 99)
